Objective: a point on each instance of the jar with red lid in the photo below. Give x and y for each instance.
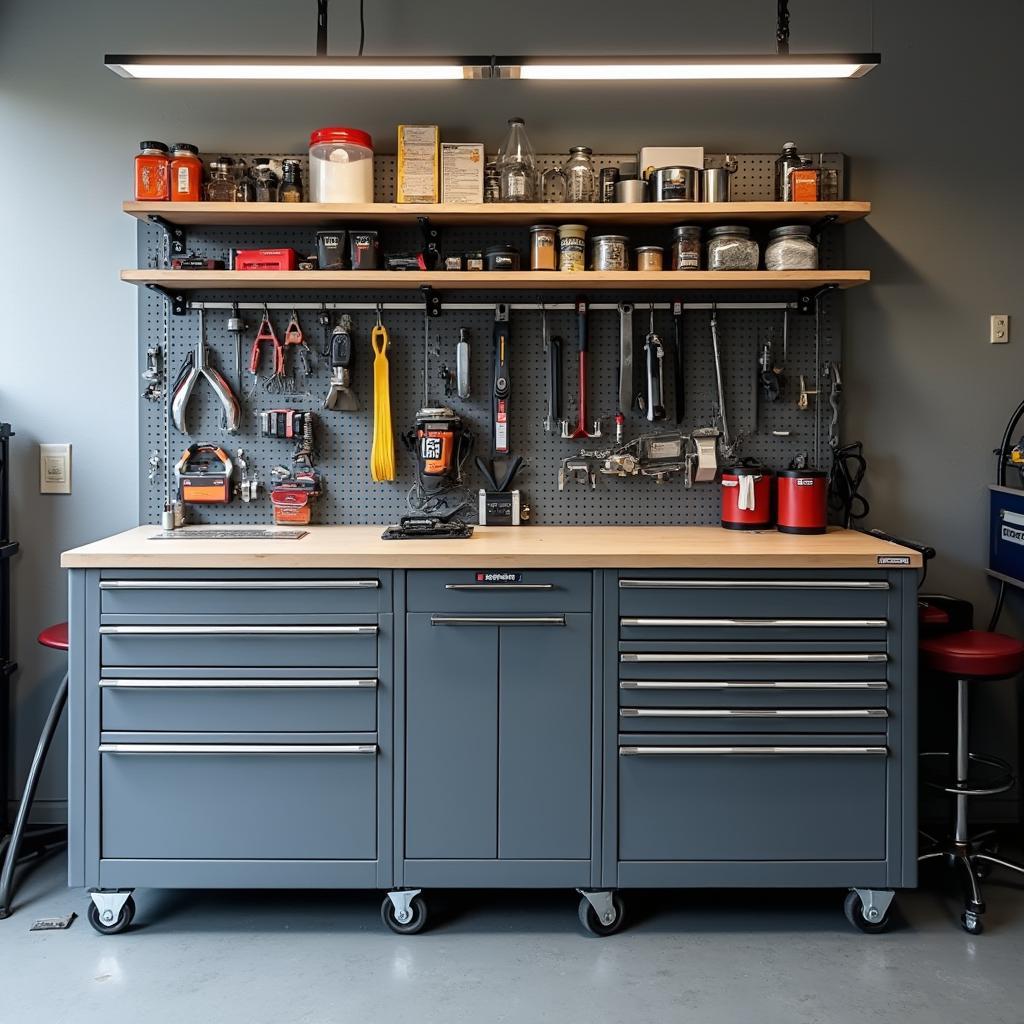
(340, 166)
(186, 174)
(152, 172)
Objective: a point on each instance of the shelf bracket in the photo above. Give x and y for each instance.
(175, 300)
(432, 304)
(431, 243)
(807, 301)
(174, 234)
(819, 226)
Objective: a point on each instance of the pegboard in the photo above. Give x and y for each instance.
(343, 439)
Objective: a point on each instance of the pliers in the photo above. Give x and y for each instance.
(197, 365)
(266, 333)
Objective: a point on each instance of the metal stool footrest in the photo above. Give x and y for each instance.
(1000, 784)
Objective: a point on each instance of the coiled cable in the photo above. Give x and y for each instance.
(844, 480)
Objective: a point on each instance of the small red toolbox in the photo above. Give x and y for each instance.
(747, 497)
(802, 501)
(266, 259)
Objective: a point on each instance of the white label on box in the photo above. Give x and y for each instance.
(462, 172)
(417, 163)
(1012, 535)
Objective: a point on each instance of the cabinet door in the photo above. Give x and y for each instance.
(544, 740)
(451, 772)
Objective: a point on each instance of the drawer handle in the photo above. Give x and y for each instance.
(686, 684)
(497, 620)
(752, 713)
(728, 751)
(238, 748)
(499, 586)
(726, 657)
(801, 623)
(238, 584)
(236, 684)
(753, 585)
(237, 630)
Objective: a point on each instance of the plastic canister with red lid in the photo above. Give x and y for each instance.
(802, 501)
(746, 497)
(340, 166)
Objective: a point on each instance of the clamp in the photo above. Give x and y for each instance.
(197, 365)
(266, 333)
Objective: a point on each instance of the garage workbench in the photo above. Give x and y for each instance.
(595, 708)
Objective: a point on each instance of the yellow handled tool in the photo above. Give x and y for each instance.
(382, 455)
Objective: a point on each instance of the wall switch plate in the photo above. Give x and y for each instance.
(999, 328)
(55, 469)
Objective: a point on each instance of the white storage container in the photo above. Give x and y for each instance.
(340, 166)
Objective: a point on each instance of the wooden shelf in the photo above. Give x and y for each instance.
(525, 280)
(609, 214)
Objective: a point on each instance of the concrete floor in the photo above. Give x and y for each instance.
(313, 958)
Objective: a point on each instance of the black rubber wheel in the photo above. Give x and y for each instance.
(594, 925)
(971, 923)
(124, 918)
(853, 908)
(415, 924)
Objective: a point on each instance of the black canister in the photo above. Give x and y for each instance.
(330, 250)
(607, 181)
(364, 248)
(501, 257)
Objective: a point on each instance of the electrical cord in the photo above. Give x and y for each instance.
(844, 480)
(362, 26)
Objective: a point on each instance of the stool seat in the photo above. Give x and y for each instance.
(973, 654)
(930, 616)
(55, 636)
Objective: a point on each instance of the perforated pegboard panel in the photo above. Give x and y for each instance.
(343, 439)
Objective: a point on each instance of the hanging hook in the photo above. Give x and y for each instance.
(380, 308)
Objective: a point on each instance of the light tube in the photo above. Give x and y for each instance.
(685, 72)
(296, 69)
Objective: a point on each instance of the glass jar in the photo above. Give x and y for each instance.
(340, 166)
(245, 186)
(290, 189)
(152, 172)
(730, 247)
(266, 181)
(186, 174)
(686, 247)
(543, 247)
(650, 257)
(791, 247)
(578, 177)
(609, 252)
(222, 186)
(517, 165)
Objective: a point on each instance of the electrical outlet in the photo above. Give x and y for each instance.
(55, 469)
(999, 328)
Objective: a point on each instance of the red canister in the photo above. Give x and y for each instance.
(803, 501)
(747, 498)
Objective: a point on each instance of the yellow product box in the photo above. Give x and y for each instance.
(418, 159)
(462, 172)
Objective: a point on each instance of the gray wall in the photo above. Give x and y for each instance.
(925, 391)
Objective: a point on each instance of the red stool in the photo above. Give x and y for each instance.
(48, 838)
(971, 655)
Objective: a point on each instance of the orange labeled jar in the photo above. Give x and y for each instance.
(152, 172)
(186, 174)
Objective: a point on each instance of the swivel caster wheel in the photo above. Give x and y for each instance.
(983, 868)
(872, 919)
(604, 921)
(404, 913)
(971, 922)
(109, 921)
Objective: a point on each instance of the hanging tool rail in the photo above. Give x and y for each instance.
(515, 307)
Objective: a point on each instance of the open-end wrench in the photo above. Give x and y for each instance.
(677, 358)
(727, 444)
(553, 356)
(581, 423)
(654, 351)
(625, 367)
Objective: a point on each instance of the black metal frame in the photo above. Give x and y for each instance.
(7, 549)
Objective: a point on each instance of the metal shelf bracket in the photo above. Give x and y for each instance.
(175, 300)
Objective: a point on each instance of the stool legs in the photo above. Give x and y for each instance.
(962, 759)
(20, 821)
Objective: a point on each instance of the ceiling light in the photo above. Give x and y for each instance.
(671, 69)
(298, 69)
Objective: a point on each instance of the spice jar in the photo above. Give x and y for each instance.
(186, 174)
(543, 247)
(152, 172)
(291, 182)
(791, 247)
(730, 247)
(222, 185)
(245, 185)
(609, 252)
(572, 247)
(686, 247)
(650, 257)
(265, 180)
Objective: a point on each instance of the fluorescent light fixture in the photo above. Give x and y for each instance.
(298, 69)
(677, 69)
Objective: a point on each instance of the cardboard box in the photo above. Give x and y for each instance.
(462, 172)
(418, 158)
(652, 157)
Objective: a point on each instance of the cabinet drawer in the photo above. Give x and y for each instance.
(739, 595)
(247, 802)
(799, 798)
(705, 627)
(239, 596)
(238, 705)
(351, 645)
(524, 592)
(753, 720)
(766, 693)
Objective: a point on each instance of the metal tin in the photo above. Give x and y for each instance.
(630, 190)
(675, 184)
(501, 257)
(606, 188)
(453, 262)
(572, 247)
(609, 252)
(474, 261)
(716, 184)
(543, 247)
(650, 257)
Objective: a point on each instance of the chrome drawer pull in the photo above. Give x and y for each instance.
(801, 623)
(753, 585)
(238, 748)
(752, 713)
(726, 657)
(236, 684)
(686, 684)
(835, 751)
(237, 630)
(499, 586)
(497, 620)
(238, 584)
